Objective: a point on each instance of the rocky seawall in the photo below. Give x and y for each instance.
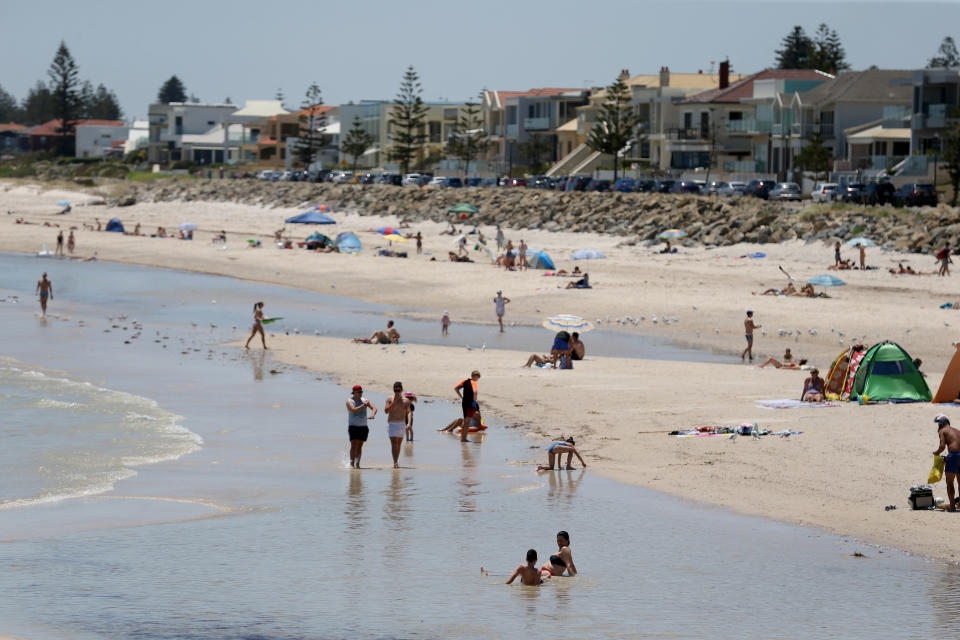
(636, 216)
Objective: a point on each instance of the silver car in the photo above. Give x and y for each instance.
(824, 192)
(786, 191)
(731, 189)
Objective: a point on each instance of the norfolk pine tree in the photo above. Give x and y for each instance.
(66, 102)
(407, 119)
(311, 139)
(469, 140)
(356, 142)
(616, 124)
(947, 55)
(172, 91)
(797, 50)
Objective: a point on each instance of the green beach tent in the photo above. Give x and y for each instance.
(887, 373)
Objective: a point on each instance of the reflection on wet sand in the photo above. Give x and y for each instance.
(396, 509)
(356, 504)
(563, 484)
(257, 360)
(945, 597)
(467, 501)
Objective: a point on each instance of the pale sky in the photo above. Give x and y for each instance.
(247, 49)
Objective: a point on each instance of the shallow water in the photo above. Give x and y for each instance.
(262, 531)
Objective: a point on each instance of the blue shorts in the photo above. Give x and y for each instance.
(748, 337)
(952, 463)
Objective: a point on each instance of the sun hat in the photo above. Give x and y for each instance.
(446, 313)
(941, 419)
(499, 290)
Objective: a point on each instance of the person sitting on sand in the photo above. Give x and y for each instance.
(528, 573)
(788, 290)
(813, 387)
(806, 290)
(136, 229)
(560, 348)
(582, 283)
(577, 348)
(562, 560)
(390, 336)
(843, 265)
(555, 452)
(476, 421)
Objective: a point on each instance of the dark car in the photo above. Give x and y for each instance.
(877, 193)
(759, 188)
(489, 182)
(368, 178)
(645, 186)
(577, 183)
(663, 186)
(560, 183)
(915, 194)
(540, 182)
(390, 178)
(626, 185)
(474, 181)
(685, 186)
(598, 185)
(452, 182)
(850, 191)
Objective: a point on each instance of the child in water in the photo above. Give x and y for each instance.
(444, 323)
(528, 573)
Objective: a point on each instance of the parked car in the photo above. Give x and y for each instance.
(824, 192)
(877, 193)
(343, 177)
(489, 182)
(663, 186)
(645, 186)
(598, 184)
(560, 183)
(685, 186)
(786, 191)
(412, 180)
(266, 174)
(436, 181)
(474, 181)
(849, 191)
(713, 188)
(516, 182)
(731, 189)
(759, 188)
(915, 194)
(368, 178)
(540, 182)
(452, 182)
(390, 178)
(577, 183)
(626, 185)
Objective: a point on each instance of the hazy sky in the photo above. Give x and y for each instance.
(358, 50)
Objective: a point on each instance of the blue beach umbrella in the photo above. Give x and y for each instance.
(826, 281)
(867, 242)
(587, 254)
(311, 217)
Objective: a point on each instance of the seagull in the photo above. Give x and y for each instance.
(763, 332)
(716, 331)
(946, 324)
(403, 349)
(483, 347)
(469, 348)
(694, 307)
(733, 437)
(653, 319)
(213, 326)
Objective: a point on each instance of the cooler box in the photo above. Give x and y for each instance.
(921, 499)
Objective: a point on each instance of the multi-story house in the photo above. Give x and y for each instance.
(202, 133)
(934, 100)
(274, 139)
(512, 118)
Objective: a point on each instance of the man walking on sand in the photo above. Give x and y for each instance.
(397, 408)
(748, 327)
(44, 290)
(949, 438)
(59, 251)
(500, 303)
(863, 256)
(468, 392)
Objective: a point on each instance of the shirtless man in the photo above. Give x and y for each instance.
(748, 327)
(863, 256)
(397, 407)
(390, 336)
(59, 251)
(528, 573)
(949, 439)
(44, 290)
(577, 348)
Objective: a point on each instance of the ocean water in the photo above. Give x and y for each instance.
(165, 487)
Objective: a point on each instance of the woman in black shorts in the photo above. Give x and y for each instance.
(357, 427)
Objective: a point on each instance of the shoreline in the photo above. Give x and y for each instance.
(622, 407)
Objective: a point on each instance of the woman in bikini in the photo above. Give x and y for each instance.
(257, 325)
(562, 560)
(556, 451)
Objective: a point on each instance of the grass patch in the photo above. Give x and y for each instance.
(149, 176)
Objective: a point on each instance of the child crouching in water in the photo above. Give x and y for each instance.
(528, 573)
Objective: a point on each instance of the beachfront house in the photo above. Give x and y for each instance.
(46, 136)
(98, 140)
(273, 139)
(514, 118)
(9, 140)
(202, 133)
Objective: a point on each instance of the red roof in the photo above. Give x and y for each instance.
(12, 126)
(315, 110)
(744, 88)
(50, 128)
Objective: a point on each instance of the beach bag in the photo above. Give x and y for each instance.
(936, 473)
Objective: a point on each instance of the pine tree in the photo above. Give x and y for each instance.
(9, 112)
(311, 138)
(172, 91)
(37, 107)
(533, 152)
(828, 53)
(86, 98)
(616, 123)
(797, 50)
(407, 118)
(469, 139)
(951, 155)
(356, 142)
(814, 157)
(105, 105)
(947, 55)
(66, 103)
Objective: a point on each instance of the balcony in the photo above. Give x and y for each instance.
(683, 133)
(803, 129)
(536, 124)
(748, 127)
(744, 166)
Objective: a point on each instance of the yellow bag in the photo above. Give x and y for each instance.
(937, 472)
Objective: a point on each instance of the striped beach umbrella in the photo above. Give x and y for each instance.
(867, 242)
(565, 322)
(671, 234)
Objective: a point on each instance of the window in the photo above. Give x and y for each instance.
(449, 114)
(687, 120)
(736, 115)
(210, 123)
(512, 115)
(435, 132)
(704, 122)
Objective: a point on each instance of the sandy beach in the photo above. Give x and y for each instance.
(839, 474)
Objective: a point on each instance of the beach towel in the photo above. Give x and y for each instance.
(787, 403)
(936, 473)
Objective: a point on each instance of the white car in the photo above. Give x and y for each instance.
(266, 174)
(824, 192)
(343, 177)
(411, 180)
(437, 181)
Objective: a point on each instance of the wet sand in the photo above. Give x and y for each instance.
(849, 463)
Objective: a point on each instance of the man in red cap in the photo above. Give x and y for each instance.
(357, 427)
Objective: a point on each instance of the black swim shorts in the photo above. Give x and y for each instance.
(358, 433)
